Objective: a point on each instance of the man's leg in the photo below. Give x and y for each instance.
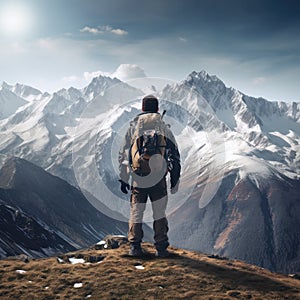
(159, 201)
(138, 201)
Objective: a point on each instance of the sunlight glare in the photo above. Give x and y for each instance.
(15, 20)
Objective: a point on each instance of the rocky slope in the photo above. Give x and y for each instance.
(257, 222)
(21, 234)
(47, 204)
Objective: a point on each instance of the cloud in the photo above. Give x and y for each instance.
(104, 29)
(51, 61)
(182, 39)
(116, 31)
(84, 79)
(91, 30)
(119, 31)
(128, 71)
(124, 72)
(88, 76)
(258, 80)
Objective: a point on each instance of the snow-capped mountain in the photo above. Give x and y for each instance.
(98, 86)
(26, 92)
(247, 204)
(42, 131)
(230, 144)
(262, 129)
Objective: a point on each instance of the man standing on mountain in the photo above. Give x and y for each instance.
(148, 153)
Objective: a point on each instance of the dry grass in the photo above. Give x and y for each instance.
(185, 275)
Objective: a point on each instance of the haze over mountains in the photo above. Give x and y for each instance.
(240, 177)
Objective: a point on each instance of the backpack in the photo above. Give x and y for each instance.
(148, 144)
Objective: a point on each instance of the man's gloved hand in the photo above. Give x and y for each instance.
(175, 176)
(124, 187)
(174, 189)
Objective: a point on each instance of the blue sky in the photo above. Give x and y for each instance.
(252, 45)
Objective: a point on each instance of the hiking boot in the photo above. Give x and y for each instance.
(135, 250)
(162, 253)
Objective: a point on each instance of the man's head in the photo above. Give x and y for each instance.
(150, 104)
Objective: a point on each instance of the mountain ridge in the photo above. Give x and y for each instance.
(54, 204)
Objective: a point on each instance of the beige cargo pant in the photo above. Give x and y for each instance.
(159, 199)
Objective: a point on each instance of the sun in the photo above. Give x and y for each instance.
(15, 20)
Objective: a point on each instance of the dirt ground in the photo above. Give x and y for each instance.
(112, 274)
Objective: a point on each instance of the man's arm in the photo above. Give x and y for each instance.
(174, 158)
(123, 157)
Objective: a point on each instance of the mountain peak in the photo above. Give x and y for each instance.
(204, 77)
(22, 90)
(99, 85)
(103, 78)
(202, 73)
(21, 173)
(25, 90)
(5, 85)
(209, 86)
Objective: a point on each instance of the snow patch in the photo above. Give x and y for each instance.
(61, 261)
(140, 267)
(75, 261)
(253, 167)
(101, 243)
